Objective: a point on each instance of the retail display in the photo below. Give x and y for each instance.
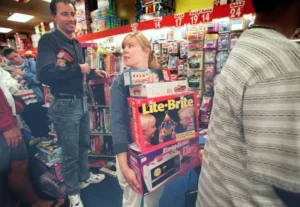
(157, 168)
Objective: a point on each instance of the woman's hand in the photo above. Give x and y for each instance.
(201, 154)
(130, 176)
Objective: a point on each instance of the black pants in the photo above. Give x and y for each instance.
(35, 116)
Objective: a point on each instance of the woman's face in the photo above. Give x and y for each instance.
(134, 55)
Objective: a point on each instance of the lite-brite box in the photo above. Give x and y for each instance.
(150, 90)
(160, 121)
(157, 168)
(137, 77)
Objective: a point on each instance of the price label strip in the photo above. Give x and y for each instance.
(201, 16)
(237, 9)
(179, 19)
(157, 22)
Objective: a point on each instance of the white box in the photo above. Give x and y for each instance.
(158, 89)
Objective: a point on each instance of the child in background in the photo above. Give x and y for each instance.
(148, 126)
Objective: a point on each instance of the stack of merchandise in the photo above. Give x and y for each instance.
(83, 18)
(48, 167)
(164, 126)
(157, 8)
(105, 16)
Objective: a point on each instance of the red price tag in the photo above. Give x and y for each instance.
(157, 23)
(179, 19)
(203, 15)
(237, 9)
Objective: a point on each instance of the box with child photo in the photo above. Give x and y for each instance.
(157, 122)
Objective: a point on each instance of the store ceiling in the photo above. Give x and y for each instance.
(40, 10)
(37, 8)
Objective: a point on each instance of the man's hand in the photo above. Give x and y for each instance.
(13, 137)
(17, 72)
(130, 176)
(102, 73)
(201, 154)
(85, 69)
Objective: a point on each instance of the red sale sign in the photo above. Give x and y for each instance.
(237, 9)
(201, 16)
(179, 19)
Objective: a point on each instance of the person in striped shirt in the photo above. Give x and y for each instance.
(252, 153)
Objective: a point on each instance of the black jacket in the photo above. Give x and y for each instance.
(66, 79)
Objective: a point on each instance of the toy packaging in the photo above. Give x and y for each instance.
(195, 60)
(208, 88)
(233, 39)
(211, 41)
(221, 60)
(212, 27)
(195, 80)
(50, 187)
(184, 49)
(158, 89)
(50, 151)
(196, 35)
(157, 168)
(216, 79)
(137, 77)
(209, 72)
(157, 122)
(237, 25)
(195, 45)
(210, 56)
(224, 25)
(223, 43)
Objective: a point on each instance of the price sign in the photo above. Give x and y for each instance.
(237, 9)
(157, 23)
(203, 15)
(179, 19)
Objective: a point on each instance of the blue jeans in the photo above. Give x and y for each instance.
(71, 120)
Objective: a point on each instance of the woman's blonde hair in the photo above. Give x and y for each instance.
(145, 44)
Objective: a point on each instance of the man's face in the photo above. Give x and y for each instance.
(15, 58)
(65, 17)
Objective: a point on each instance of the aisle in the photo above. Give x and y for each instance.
(109, 193)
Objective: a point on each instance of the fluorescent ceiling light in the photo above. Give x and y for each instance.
(17, 17)
(47, 0)
(4, 30)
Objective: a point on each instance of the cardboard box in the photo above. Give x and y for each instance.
(50, 151)
(138, 77)
(158, 89)
(157, 122)
(157, 168)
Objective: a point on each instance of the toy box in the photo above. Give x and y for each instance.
(158, 89)
(137, 77)
(157, 122)
(50, 151)
(50, 187)
(157, 168)
(54, 170)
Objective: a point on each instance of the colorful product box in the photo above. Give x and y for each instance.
(160, 121)
(158, 89)
(138, 77)
(50, 151)
(157, 168)
(50, 187)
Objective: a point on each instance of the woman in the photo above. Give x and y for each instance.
(137, 54)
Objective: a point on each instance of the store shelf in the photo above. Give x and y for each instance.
(101, 156)
(163, 4)
(99, 133)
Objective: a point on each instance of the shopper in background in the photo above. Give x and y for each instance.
(14, 156)
(35, 115)
(137, 54)
(252, 153)
(60, 65)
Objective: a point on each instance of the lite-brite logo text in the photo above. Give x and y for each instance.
(176, 146)
(168, 106)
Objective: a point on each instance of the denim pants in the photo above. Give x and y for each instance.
(71, 120)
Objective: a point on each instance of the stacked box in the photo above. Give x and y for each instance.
(157, 168)
(50, 151)
(160, 121)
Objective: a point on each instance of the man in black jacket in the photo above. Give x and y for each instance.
(60, 65)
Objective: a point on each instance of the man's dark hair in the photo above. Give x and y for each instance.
(267, 6)
(54, 2)
(7, 51)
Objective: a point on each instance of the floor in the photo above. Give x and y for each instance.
(109, 194)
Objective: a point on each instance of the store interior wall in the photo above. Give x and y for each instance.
(187, 5)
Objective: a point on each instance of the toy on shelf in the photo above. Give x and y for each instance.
(210, 56)
(209, 72)
(237, 25)
(223, 43)
(212, 27)
(221, 60)
(195, 80)
(234, 38)
(137, 77)
(195, 60)
(211, 41)
(224, 25)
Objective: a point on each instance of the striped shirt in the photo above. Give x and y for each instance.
(253, 143)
